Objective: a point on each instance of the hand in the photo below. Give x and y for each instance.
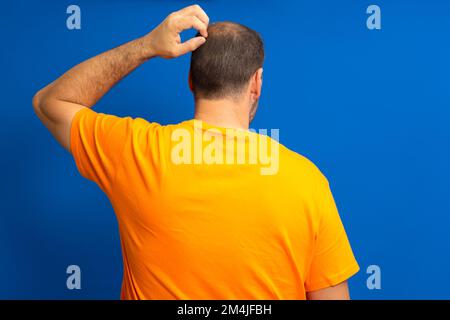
(165, 41)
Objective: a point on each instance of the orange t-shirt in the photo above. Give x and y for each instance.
(206, 229)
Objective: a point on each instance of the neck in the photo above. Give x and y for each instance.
(222, 113)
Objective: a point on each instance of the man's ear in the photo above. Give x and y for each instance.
(256, 84)
(191, 86)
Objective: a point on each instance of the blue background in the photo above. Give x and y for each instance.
(369, 107)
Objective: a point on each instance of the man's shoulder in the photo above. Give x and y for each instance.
(295, 162)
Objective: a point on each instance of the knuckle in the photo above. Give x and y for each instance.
(196, 7)
(172, 22)
(171, 17)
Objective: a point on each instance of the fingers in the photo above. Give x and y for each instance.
(188, 18)
(189, 22)
(190, 45)
(195, 10)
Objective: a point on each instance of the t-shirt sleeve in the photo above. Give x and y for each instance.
(333, 261)
(96, 143)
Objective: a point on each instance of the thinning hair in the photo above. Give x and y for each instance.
(222, 66)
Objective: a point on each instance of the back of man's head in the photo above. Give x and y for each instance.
(222, 66)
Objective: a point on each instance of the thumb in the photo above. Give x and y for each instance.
(191, 44)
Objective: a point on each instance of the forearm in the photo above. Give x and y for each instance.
(90, 80)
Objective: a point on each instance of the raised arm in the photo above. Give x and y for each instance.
(83, 85)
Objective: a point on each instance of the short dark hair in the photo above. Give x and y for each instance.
(224, 64)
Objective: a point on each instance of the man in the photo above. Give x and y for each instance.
(202, 229)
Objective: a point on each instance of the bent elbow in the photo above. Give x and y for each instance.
(37, 102)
